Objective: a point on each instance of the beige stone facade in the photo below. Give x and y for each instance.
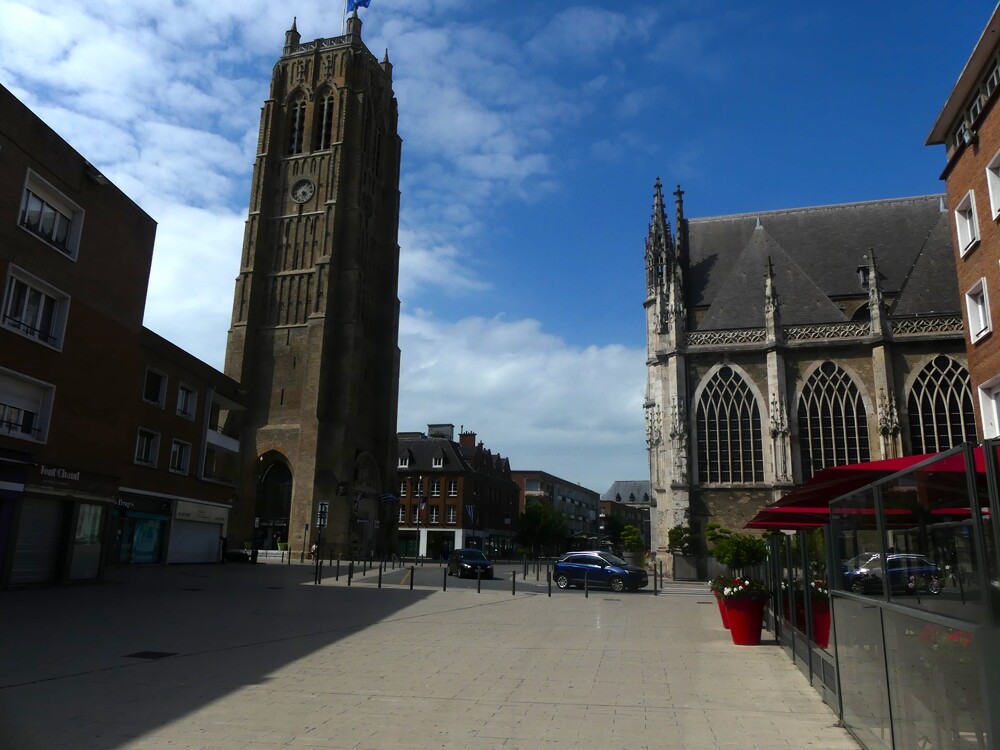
(783, 342)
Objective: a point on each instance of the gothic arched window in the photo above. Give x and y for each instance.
(940, 407)
(728, 427)
(324, 123)
(296, 126)
(833, 423)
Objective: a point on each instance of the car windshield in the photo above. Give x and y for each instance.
(612, 558)
(473, 555)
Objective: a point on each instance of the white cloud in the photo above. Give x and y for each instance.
(164, 98)
(575, 412)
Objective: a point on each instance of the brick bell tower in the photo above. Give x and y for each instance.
(315, 313)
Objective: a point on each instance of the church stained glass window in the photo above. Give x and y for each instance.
(940, 407)
(833, 422)
(729, 433)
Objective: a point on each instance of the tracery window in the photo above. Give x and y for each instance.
(296, 126)
(729, 435)
(325, 130)
(833, 422)
(940, 407)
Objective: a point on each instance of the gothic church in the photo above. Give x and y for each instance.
(783, 342)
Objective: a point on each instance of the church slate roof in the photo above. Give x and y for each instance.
(815, 253)
(634, 491)
(931, 287)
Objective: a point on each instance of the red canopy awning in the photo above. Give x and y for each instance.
(808, 505)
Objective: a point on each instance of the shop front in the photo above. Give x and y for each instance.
(888, 596)
(141, 524)
(197, 532)
(57, 524)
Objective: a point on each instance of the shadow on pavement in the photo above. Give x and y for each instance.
(100, 665)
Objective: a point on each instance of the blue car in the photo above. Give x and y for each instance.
(598, 569)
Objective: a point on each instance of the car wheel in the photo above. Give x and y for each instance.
(934, 586)
(858, 586)
(617, 584)
(562, 581)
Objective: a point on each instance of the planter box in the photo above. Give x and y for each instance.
(686, 568)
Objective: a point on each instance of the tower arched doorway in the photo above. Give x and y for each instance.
(274, 503)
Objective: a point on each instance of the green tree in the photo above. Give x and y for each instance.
(541, 529)
(681, 540)
(632, 539)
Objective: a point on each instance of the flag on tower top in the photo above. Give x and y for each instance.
(355, 4)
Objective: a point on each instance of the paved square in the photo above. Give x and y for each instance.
(265, 659)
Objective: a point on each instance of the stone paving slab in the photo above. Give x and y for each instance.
(266, 659)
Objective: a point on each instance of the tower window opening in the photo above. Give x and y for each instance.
(298, 122)
(326, 123)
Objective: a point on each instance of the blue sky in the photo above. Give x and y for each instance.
(532, 134)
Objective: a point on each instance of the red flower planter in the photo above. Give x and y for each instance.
(746, 620)
(821, 622)
(722, 610)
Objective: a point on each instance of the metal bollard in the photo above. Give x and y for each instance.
(350, 573)
(586, 584)
(538, 571)
(444, 585)
(413, 572)
(513, 583)
(524, 576)
(548, 578)
(479, 581)
(380, 576)
(289, 555)
(337, 578)
(282, 555)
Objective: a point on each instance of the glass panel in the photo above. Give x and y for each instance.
(857, 545)
(863, 689)
(934, 685)
(932, 560)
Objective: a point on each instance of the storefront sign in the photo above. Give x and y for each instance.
(57, 472)
(198, 512)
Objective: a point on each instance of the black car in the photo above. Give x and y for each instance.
(469, 562)
(598, 569)
(908, 574)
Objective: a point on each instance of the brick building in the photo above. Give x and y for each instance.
(315, 311)
(969, 128)
(97, 466)
(453, 494)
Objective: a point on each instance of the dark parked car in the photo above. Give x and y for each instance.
(599, 569)
(469, 562)
(908, 574)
